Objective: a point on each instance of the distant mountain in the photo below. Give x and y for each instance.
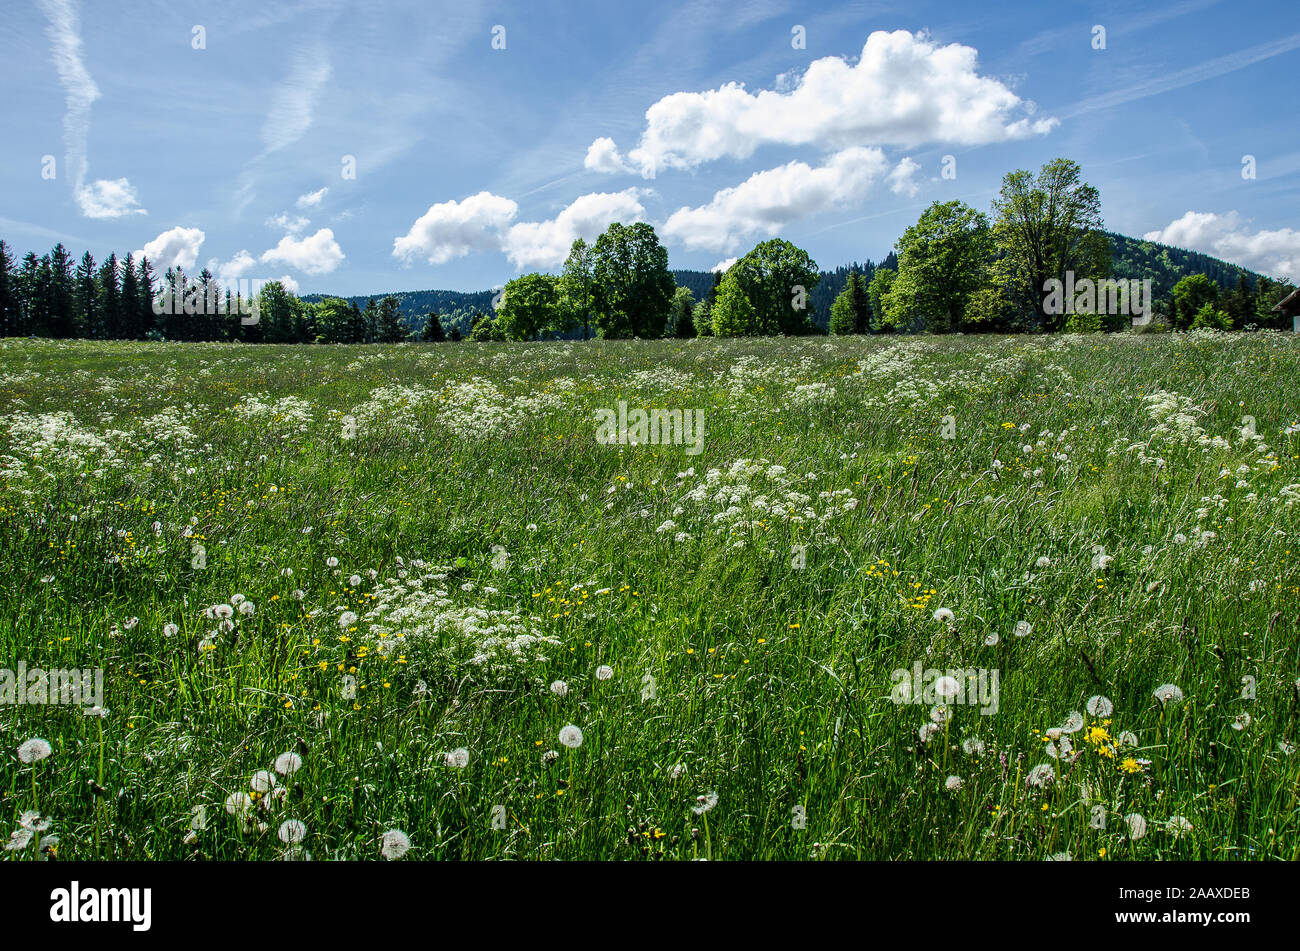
(1131, 258)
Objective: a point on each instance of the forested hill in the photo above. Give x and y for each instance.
(1132, 258)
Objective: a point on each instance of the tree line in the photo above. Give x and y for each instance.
(955, 270)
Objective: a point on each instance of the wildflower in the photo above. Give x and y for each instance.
(973, 746)
(286, 764)
(704, 803)
(34, 750)
(393, 844)
(170, 630)
(944, 615)
(1073, 723)
(927, 731)
(571, 737)
(1241, 721)
(677, 772)
(221, 611)
(1040, 776)
(604, 672)
(992, 639)
(262, 781)
(946, 687)
(246, 608)
(458, 758)
(1099, 706)
(1128, 738)
(560, 688)
(1023, 628)
(952, 783)
(1042, 562)
(354, 581)
(239, 804)
(347, 619)
(331, 562)
(1137, 826)
(292, 831)
(1177, 825)
(1168, 693)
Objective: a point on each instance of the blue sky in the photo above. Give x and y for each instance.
(474, 163)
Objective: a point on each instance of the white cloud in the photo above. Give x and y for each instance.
(289, 283)
(108, 199)
(287, 224)
(178, 247)
(452, 229)
(105, 198)
(317, 254)
(602, 156)
(903, 91)
(1274, 253)
(902, 179)
(545, 244)
(725, 264)
(293, 103)
(230, 272)
(312, 199)
(769, 200)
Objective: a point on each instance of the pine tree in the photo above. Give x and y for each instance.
(110, 297)
(9, 312)
(391, 329)
(145, 318)
(433, 332)
(62, 323)
(85, 307)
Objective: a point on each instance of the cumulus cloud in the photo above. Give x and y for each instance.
(105, 198)
(287, 224)
(903, 91)
(178, 247)
(231, 271)
(316, 254)
(902, 180)
(545, 244)
(725, 264)
(602, 156)
(452, 229)
(769, 200)
(312, 199)
(288, 283)
(1228, 236)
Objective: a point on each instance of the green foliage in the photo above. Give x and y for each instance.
(851, 311)
(1211, 317)
(632, 286)
(942, 260)
(433, 331)
(878, 290)
(733, 314)
(1047, 226)
(681, 318)
(530, 306)
(1191, 295)
(776, 278)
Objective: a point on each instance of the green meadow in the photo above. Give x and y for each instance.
(346, 602)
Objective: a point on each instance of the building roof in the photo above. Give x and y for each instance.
(1289, 304)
